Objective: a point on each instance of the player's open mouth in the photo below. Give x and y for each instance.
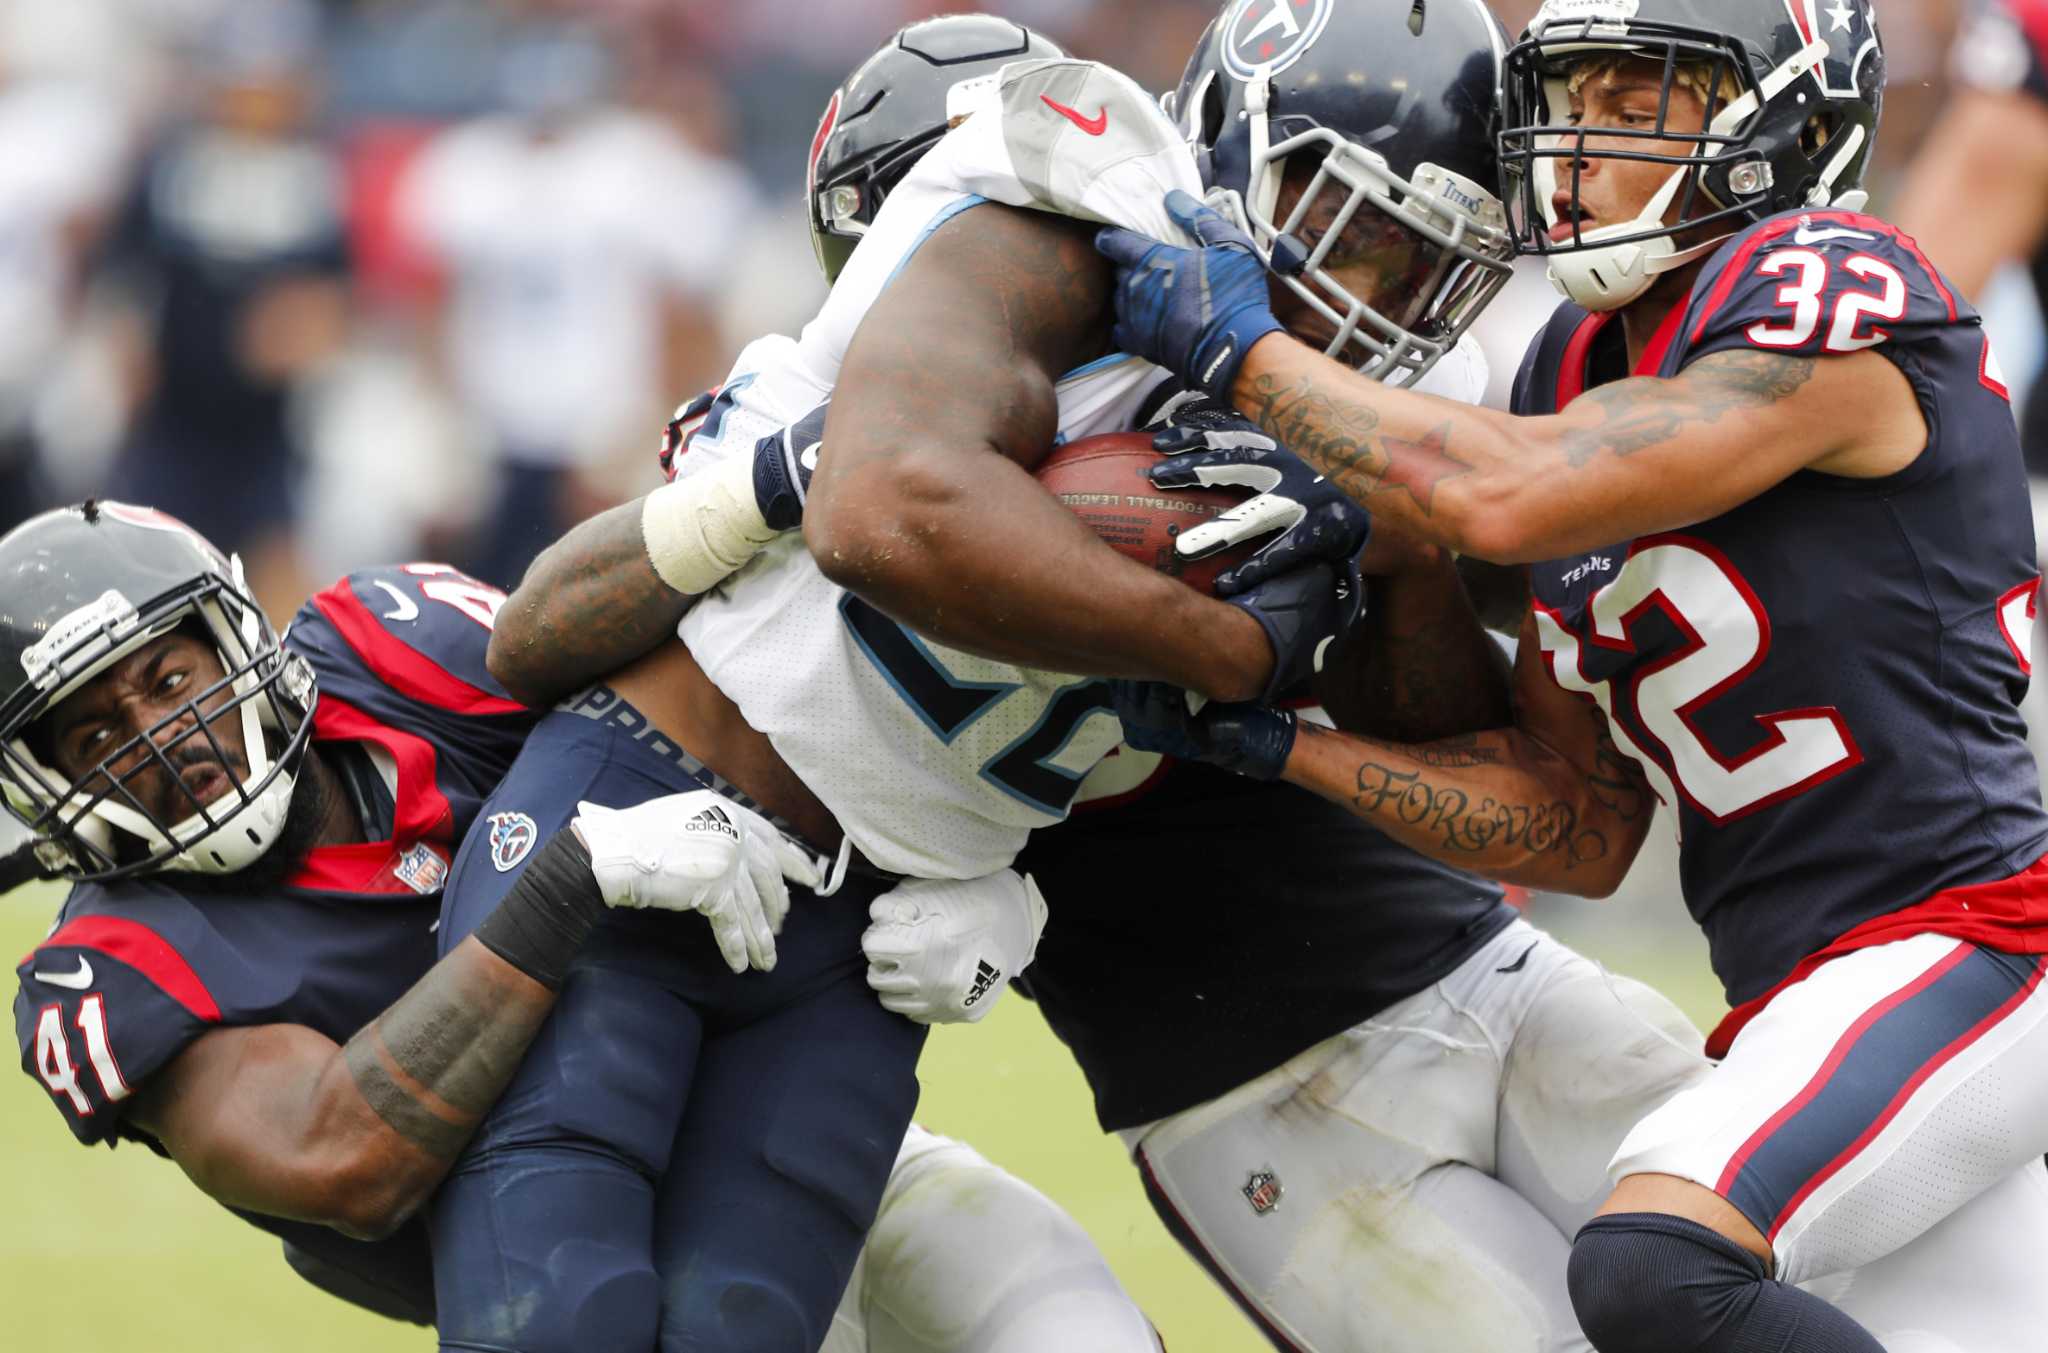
(1567, 224)
(204, 781)
(1570, 216)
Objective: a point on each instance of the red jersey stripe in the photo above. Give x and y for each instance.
(408, 671)
(144, 950)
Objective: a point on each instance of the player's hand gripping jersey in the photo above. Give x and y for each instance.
(1822, 682)
(135, 970)
(937, 763)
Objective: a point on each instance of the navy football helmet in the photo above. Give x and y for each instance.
(1793, 91)
(80, 589)
(1393, 107)
(890, 111)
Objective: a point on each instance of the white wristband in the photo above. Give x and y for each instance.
(705, 527)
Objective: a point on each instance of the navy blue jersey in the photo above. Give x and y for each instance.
(134, 970)
(1176, 970)
(1822, 682)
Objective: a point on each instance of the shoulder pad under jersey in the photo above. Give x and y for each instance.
(420, 629)
(1067, 136)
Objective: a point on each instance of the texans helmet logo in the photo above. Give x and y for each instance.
(1849, 28)
(1264, 37)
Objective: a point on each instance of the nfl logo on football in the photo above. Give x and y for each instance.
(1262, 1191)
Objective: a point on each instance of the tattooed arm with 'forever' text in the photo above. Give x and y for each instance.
(1549, 803)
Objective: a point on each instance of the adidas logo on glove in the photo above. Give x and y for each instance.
(713, 819)
(986, 975)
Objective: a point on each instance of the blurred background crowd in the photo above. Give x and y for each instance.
(346, 282)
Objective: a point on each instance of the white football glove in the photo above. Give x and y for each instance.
(701, 852)
(940, 951)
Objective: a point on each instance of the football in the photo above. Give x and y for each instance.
(1102, 481)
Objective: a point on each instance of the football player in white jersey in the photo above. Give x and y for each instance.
(1483, 1180)
(757, 1254)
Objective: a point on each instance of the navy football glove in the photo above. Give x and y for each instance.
(1213, 444)
(1186, 419)
(1302, 612)
(784, 462)
(1248, 739)
(1196, 312)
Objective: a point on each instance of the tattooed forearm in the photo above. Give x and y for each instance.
(590, 604)
(1636, 414)
(1393, 452)
(402, 1108)
(1342, 439)
(433, 1064)
(1463, 824)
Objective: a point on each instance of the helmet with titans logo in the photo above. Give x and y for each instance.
(1388, 111)
(890, 111)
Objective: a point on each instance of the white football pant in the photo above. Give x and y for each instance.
(966, 1258)
(1412, 1184)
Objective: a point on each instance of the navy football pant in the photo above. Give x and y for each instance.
(687, 1159)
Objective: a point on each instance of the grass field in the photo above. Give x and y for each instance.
(114, 1252)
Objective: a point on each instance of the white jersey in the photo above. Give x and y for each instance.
(936, 763)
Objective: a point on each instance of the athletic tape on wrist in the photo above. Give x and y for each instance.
(703, 528)
(550, 911)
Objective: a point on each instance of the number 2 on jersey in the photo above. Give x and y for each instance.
(947, 704)
(1728, 634)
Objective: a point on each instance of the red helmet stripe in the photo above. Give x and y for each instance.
(825, 126)
(1802, 18)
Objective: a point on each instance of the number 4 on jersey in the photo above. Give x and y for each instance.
(53, 1054)
(479, 601)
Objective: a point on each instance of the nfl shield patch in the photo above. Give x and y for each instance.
(512, 836)
(422, 869)
(1263, 1191)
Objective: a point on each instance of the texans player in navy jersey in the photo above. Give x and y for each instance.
(243, 975)
(1764, 472)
